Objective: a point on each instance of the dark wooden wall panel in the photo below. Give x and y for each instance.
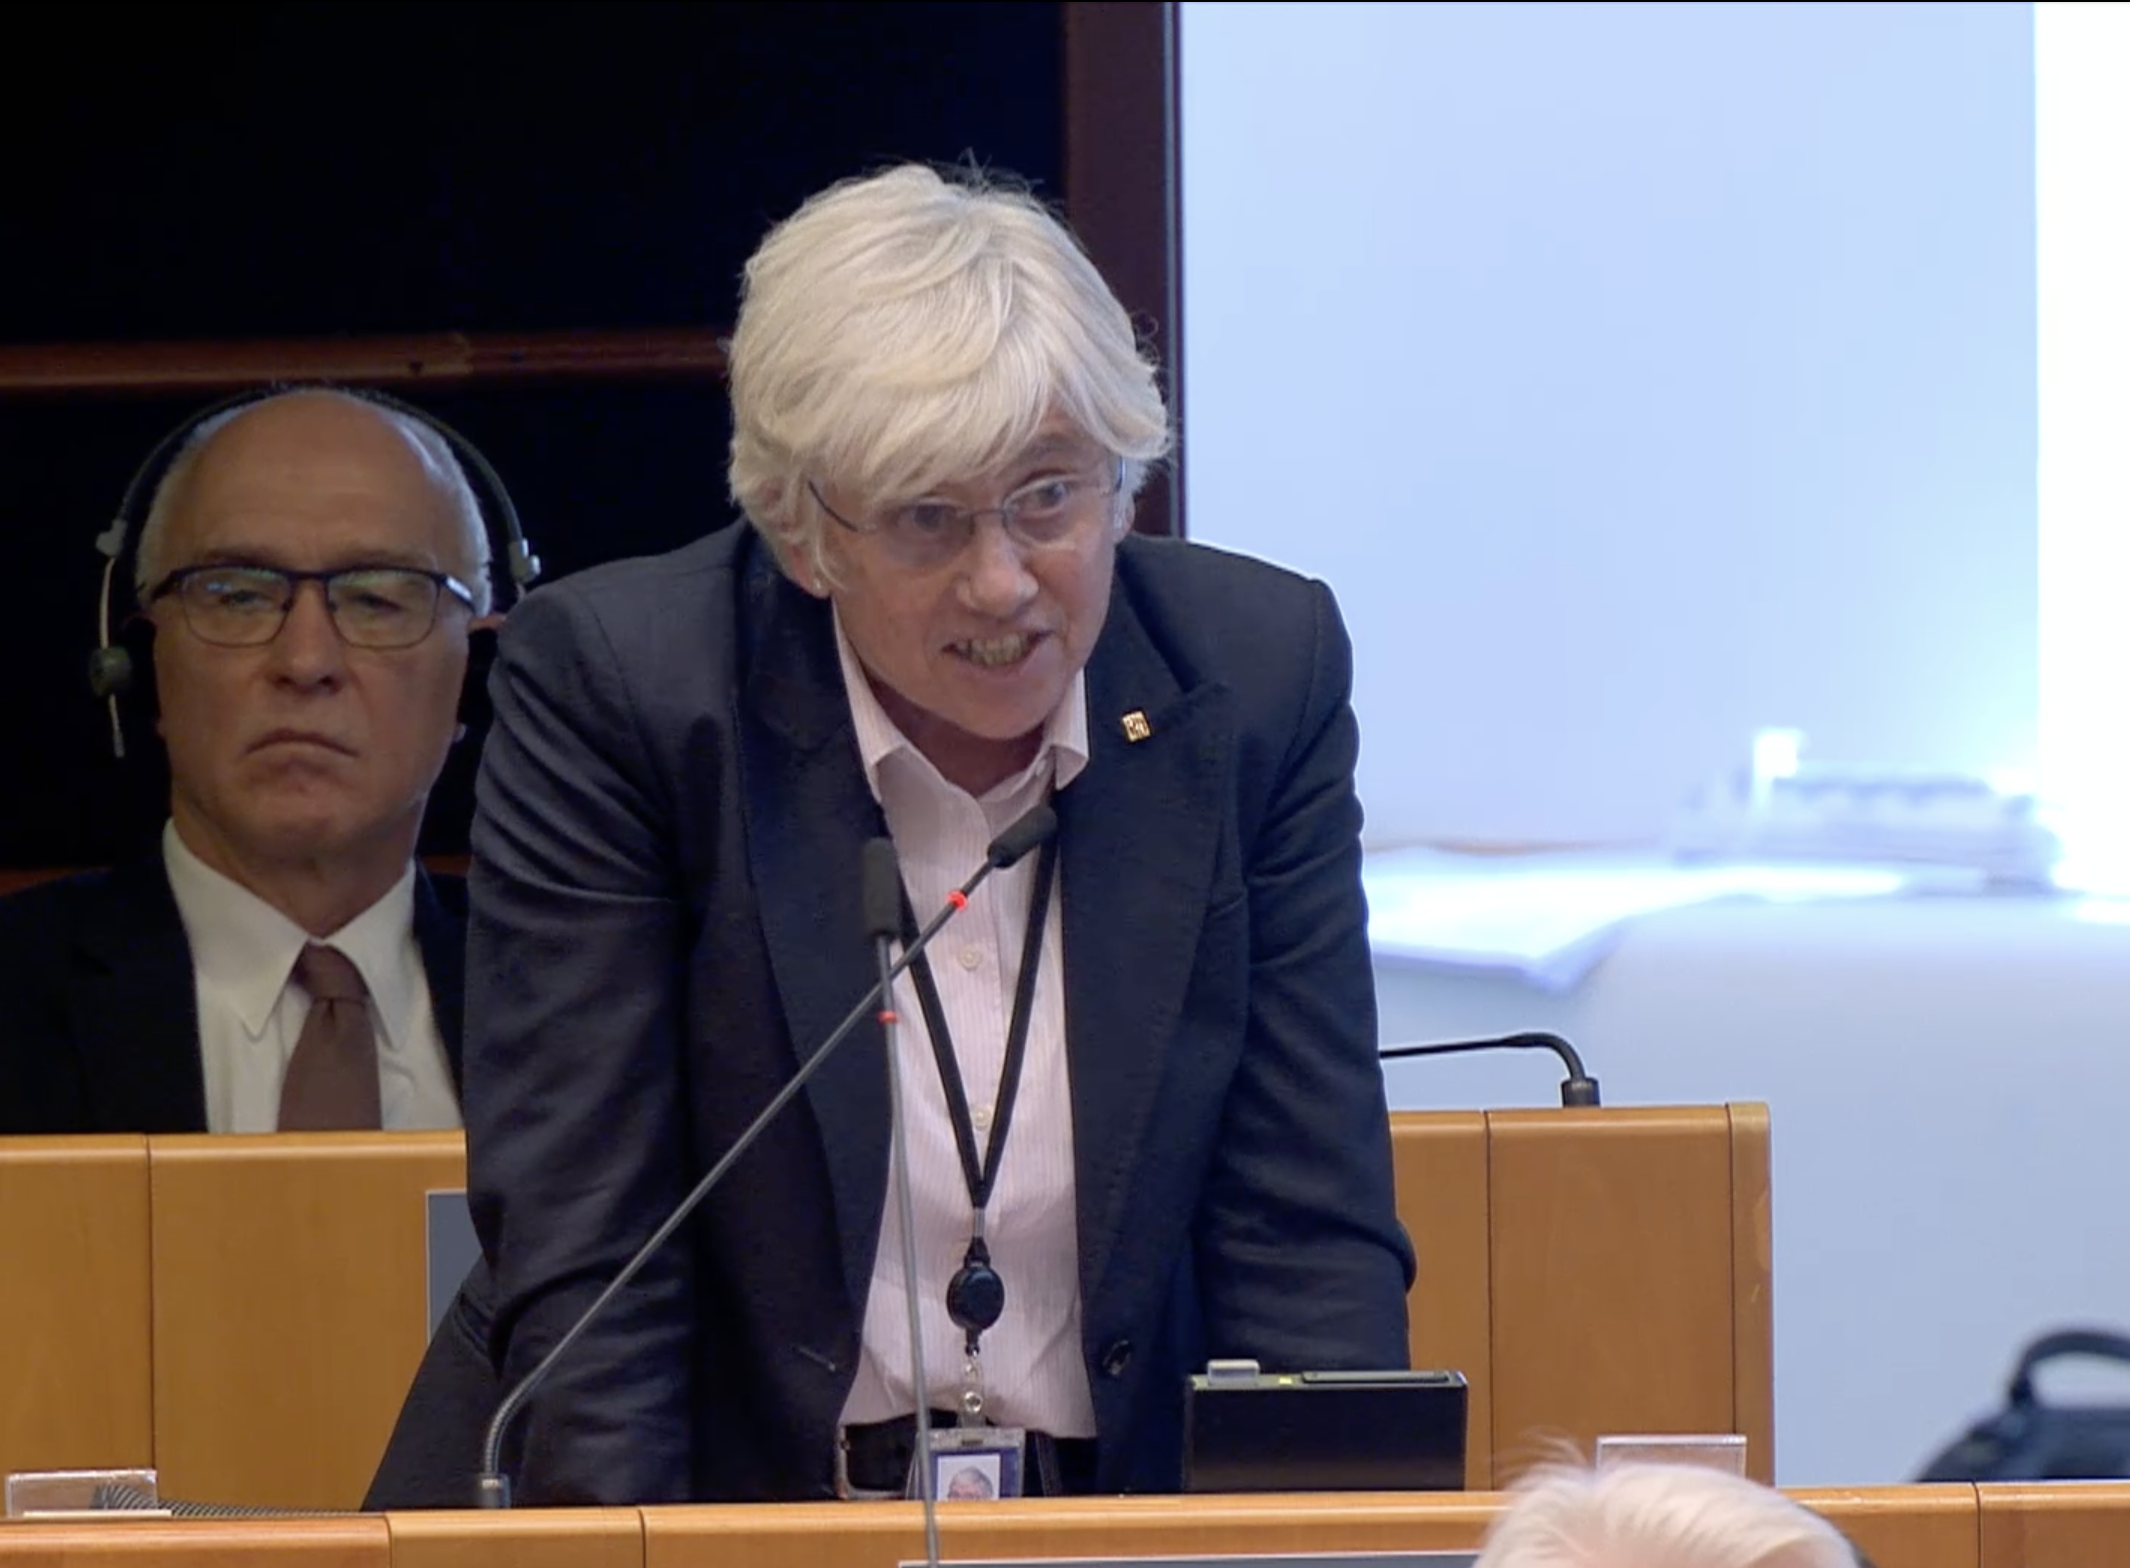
(334, 171)
(1123, 183)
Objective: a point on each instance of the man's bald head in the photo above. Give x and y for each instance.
(254, 431)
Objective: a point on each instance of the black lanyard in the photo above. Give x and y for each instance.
(976, 1296)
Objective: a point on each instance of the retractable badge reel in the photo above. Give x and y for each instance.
(971, 1460)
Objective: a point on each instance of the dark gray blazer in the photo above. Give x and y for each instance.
(665, 918)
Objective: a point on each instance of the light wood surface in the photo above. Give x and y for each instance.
(1593, 1272)
(527, 1538)
(1588, 1271)
(1906, 1526)
(2071, 1525)
(877, 1535)
(1611, 1253)
(290, 1308)
(1753, 1286)
(74, 1312)
(1440, 1164)
(202, 1543)
(2063, 1526)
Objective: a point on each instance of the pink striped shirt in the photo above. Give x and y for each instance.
(1034, 1374)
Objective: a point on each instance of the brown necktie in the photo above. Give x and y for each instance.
(331, 1082)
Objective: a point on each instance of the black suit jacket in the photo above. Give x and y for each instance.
(99, 1020)
(666, 919)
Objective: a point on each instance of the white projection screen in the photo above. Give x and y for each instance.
(1640, 376)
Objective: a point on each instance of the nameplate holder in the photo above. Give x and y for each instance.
(98, 1496)
(1390, 1431)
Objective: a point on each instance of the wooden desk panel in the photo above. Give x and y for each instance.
(201, 1543)
(1587, 1271)
(1592, 1272)
(2079, 1524)
(1753, 1287)
(290, 1308)
(2063, 1526)
(521, 1538)
(1614, 1260)
(1440, 1165)
(878, 1535)
(75, 1386)
(1904, 1526)
(1900, 1527)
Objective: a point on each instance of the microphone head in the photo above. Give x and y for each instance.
(1034, 828)
(882, 886)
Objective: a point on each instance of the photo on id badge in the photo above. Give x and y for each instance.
(974, 1463)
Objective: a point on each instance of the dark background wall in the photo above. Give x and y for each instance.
(321, 170)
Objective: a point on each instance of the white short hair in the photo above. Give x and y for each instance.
(1637, 1515)
(434, 453)
(910, 329)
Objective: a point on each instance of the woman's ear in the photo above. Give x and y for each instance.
(799, 558)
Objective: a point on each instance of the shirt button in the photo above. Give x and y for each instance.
(981, 1116)
(970, 958)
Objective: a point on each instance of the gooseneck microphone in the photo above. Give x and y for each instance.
(880, 889)
(1026, 833)
(883, 924)
(1029, 831)
(1578, 1088)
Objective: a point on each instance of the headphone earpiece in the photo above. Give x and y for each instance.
(110, 672)
(122, 675)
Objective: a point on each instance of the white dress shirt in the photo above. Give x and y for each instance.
(1034, 1374)
(251, 1008)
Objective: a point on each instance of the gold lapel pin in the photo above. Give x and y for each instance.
(1135, 726)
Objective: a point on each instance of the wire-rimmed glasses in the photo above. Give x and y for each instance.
(1053, 513)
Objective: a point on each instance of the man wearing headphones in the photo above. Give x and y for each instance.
(312, 567)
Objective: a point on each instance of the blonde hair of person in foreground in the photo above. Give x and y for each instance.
(1643, 1515)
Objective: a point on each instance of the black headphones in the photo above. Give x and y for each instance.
(119, 665)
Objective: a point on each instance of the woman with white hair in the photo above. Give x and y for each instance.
(1636, 1515)
(1144, 1112)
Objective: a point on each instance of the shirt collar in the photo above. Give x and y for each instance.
(1064, 744)
(244, 949)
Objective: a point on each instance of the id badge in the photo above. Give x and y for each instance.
(973, 1463)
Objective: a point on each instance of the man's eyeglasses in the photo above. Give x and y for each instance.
(371, 606)
(1050, 514)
